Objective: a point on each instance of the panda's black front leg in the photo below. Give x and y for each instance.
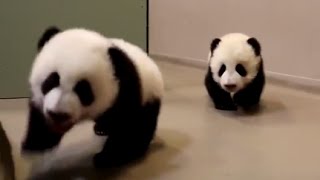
(39, 137)
(104, 121)
(250, 95)
(116, 152)
(221, 99)
(129, 136)
(100, 128)
(120, 149)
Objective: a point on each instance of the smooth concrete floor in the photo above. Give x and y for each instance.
(194, 141)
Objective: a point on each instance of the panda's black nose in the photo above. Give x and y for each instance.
(59, 117)
(230, 86)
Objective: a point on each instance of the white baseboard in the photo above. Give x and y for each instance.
(180, 60)
(305, 83)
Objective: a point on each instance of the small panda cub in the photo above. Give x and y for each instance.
(235, 75)
(79, 74)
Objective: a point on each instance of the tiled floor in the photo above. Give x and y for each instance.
(197, 142)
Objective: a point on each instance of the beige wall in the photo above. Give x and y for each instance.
(289, 33)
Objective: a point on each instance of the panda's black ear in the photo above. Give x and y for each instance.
(255, 45)
(215, 42)
(47, 35)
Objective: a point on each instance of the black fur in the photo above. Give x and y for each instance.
(130, 126)
(84, 91)
(222, 70)
(221, 98)
(250, 95)
(214, 44)
(247, 97)
(241, 70)
(47, 35)
(38, 136)
(52, 81)
(255, 45)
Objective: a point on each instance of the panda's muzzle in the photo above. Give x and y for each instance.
(230, 87)
(59, 117)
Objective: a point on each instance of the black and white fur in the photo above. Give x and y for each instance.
(79, 74)
(235, 75)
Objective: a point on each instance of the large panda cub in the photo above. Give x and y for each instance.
(79, 74)
(235, 76)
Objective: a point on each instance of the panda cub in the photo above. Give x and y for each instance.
(235, 75)
(79, 74)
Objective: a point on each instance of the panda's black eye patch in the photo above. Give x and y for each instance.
(52, 81)
(241, 70)
(84, 91)
(222, 70)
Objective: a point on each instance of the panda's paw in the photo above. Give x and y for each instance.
(230, 107)
(99, 131)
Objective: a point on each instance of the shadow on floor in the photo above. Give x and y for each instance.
(267, 107)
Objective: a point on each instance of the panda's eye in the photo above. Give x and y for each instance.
(222, 70)
(84, 92)
(52, 81)
(241, 70)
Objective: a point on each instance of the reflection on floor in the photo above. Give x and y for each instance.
(195, 141)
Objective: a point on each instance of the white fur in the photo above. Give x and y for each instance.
(233, 49)
(81, 53)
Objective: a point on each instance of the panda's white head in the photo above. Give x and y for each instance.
(71, 78)
(234, 60)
